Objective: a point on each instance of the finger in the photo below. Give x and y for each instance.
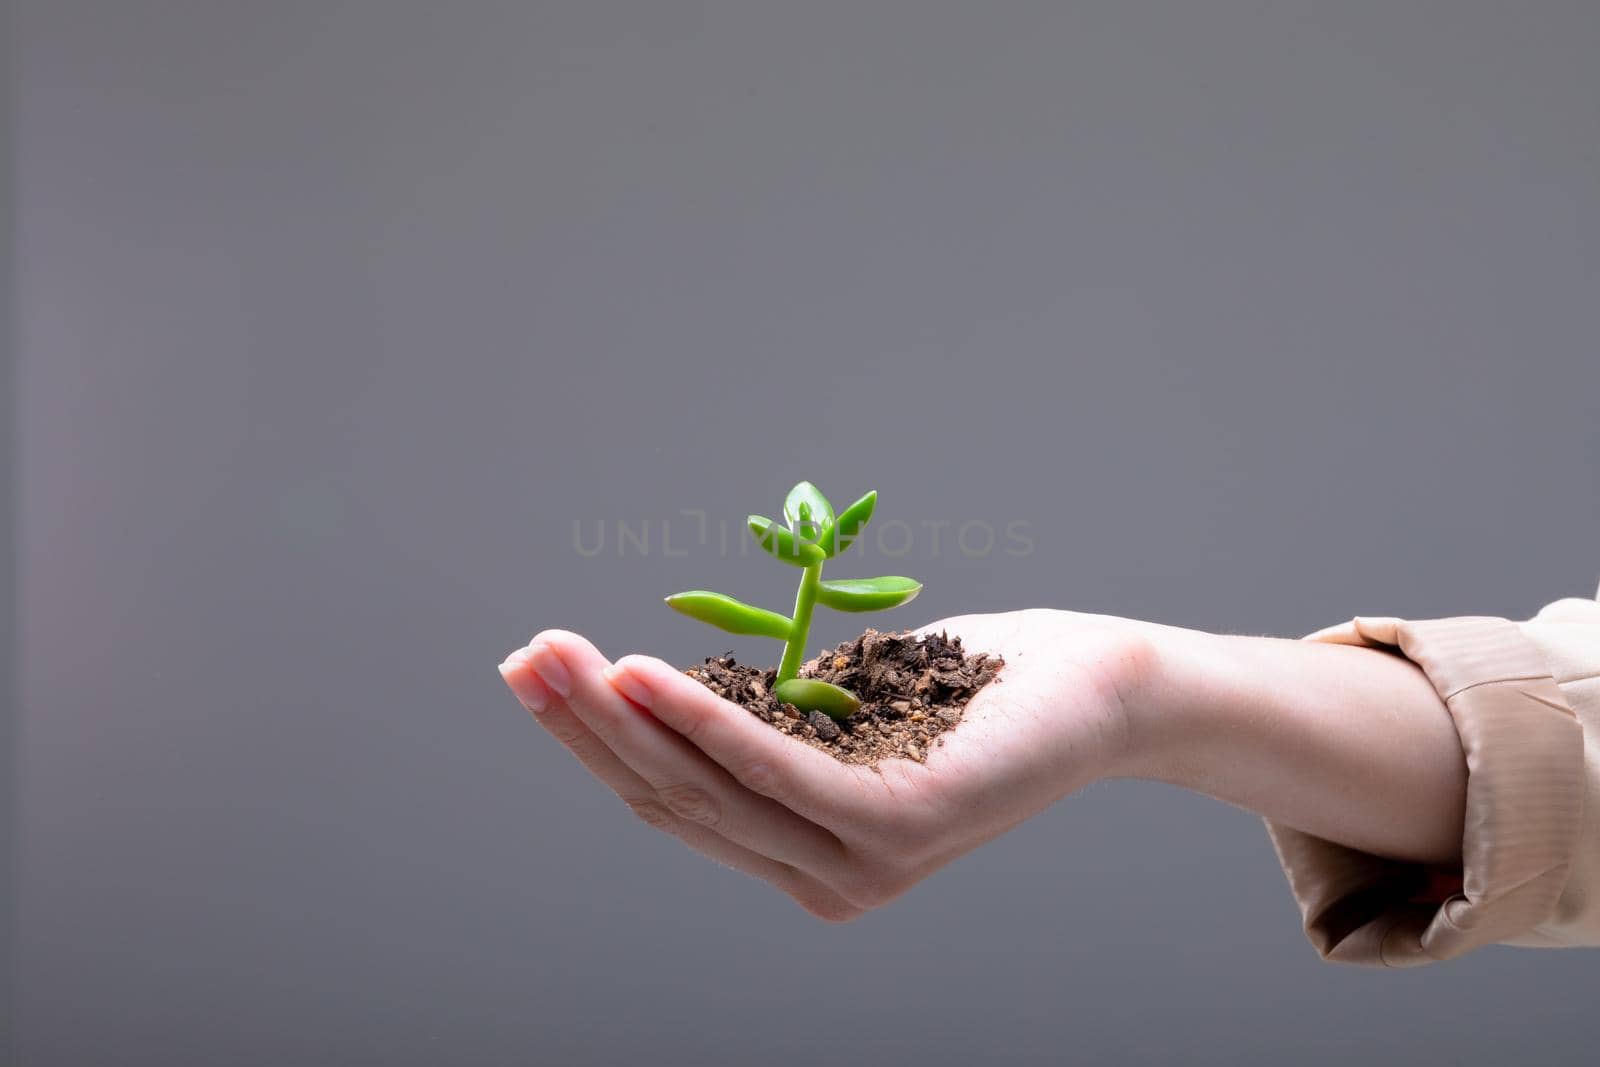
(555, 716)
(795, 775)
(807, 891)
(692, 786)
(551, 712)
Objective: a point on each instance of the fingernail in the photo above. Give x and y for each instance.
(523, 687)
(551, 669)
(629, 686)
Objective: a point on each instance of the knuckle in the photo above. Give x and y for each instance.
(918, 811)
(692, 803)
(688, 721)
(762, 777)
(650, 812)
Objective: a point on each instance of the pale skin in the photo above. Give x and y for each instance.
(1350, 744)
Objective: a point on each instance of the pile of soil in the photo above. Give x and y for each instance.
(912, 689)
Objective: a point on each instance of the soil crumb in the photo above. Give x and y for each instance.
(912, 690)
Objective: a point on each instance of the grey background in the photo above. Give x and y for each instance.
(333, 317)
(9, 617)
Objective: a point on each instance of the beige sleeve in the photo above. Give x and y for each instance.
(1525, 701)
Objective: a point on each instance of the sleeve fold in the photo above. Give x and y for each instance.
(1525, 702)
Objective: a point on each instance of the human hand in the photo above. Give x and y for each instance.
(843, 839)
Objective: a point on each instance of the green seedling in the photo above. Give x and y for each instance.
(812, 536)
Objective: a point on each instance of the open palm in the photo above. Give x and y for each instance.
(842, 839)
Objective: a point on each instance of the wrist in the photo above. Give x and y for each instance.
(1175, 711)
(1349, 744)
(1122, 673)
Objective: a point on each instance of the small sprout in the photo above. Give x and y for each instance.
(783, 544)
(841, 534)
(813, 535)
(808, 512)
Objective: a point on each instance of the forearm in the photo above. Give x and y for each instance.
(1350, 744)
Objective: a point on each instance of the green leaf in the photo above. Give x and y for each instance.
(782, 544)
(726, 613)
(867, 594)
(808, 512)
(841, 534)
(808, 694)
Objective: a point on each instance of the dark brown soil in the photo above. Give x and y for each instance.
(911, 689)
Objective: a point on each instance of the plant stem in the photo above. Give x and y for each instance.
(805, 600)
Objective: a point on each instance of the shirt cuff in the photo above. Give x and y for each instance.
(1524, 808)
